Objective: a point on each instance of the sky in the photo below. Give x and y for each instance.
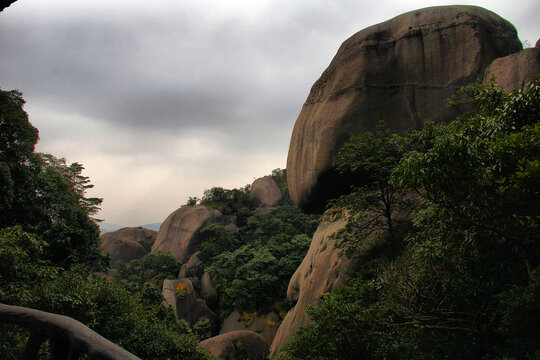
(160, 100)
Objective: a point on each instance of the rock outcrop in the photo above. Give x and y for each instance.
(208, 291)
(323, 269)
(192, 268)
(128, 243)
(179, 233)
(181, 295)
(265, 191)
(236, 345)
(265, 325)
(512, 72)
(400, 71)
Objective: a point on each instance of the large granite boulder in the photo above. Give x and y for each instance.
(237, 345)
(512, 72)
(181, 295)
(265, 325)
(179, 233)
(323, 269)
(128, 243)
(265, 191)
(400, 71)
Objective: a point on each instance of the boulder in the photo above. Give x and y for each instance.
(265, 325)
(192, 268)
(128, 243)
(208, 291)
(237, 345)
(181, 295)
(323, 269)
(514, 71)
(179, 233)
(400, 71)
(232, 228)
(122, 250)
(265, 192)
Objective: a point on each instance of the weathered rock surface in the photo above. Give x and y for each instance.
(179, 233)
(181, 295)
(192, 268)
(265, 191)
(321, 270)
(514, 71)
(265, 325)
(128, 243)
(400, 71)
(208, 291)
(237, 345)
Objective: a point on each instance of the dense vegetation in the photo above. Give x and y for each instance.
(457, 275)
(51, 260)
(462, 279)
(251, 268)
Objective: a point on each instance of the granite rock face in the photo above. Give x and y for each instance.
(192, 268)
(400, 71)
(321, 270)
(181, 295)
(179, 233)
(265, 191)
(514, 71)
(128, 243)
(208, 291)
(237, 345)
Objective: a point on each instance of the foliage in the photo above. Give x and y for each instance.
(44, 195)
(225, 200)
(22, 266)
(348, 325)
(251, 270)
(17, 136)
(152, 268)
(484, 171)
(374, 206)
(465, 285)
(148, 330)
(49, 246)
(216, 239)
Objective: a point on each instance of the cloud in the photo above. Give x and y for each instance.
(160, 100)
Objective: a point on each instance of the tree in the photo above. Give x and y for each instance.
(374, 205)
(225, 200)
(484, 170)
(466, 283)
(153, 268)
(43, 194)
(251, 270)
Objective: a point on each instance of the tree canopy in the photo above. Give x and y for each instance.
(465, 284)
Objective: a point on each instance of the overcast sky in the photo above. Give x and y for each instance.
(160, 100)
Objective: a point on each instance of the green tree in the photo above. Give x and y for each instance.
(465, 285)
(227, 201)
(152, 268)
(43, 194)
(251, 270)
(374, 205)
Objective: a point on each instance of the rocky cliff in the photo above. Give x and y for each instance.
(400, 71)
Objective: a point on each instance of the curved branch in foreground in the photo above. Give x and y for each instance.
(68, 337)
